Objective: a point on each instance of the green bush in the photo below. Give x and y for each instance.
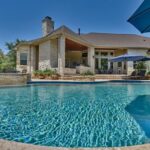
(87, 73)
(140, 66)
(49, 72)
(46, 72)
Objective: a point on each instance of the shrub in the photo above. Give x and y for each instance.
(49, 72)
(141, 66)
(45, 73)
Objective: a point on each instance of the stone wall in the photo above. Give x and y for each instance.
(13, 79)
(54, 53)
(44, 55)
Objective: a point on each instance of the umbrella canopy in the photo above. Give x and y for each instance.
(128, 57)
(141, 18)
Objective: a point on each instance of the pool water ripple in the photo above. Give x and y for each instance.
(72, 116)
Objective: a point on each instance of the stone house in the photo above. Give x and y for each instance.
(70, 53)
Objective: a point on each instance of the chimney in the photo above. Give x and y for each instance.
(47, 25)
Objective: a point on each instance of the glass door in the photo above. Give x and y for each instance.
(104, 64)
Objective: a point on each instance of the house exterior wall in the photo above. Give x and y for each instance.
(23, 49)
(44, 55)
(130, 67)
(54, 53)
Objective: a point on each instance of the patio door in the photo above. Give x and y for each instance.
(104, 64)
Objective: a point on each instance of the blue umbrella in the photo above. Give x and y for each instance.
(128, 57)
(141, 18)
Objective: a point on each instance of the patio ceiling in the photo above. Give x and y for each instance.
(74, 46)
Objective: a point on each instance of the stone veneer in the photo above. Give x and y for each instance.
(13, 79)
(44, 55)
(7, 145)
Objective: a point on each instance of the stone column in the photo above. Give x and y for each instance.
(33, 59)
(91, 59)
(61, 55)
(130, 68)
(29, 60)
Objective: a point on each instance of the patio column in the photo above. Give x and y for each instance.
(91, 59)
(61, 55)
(32, 57)
(130, 68)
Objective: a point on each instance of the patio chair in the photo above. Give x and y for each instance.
(110, 71)
(140, 75)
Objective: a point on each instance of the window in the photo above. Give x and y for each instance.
(119, 64)
(84, 54)
(23, 58)
(125, 65)
(111, 65)
(111, 54)
(104, 54)
(96, 53)
(104, 64)
(97, 63)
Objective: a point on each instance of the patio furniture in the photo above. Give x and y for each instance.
(140, 75)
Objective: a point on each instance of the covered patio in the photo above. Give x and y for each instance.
(78, 57)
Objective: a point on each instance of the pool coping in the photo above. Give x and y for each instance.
(35, 81)
(69, 82)
(10, 145)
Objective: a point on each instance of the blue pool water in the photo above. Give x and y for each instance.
(97, 115)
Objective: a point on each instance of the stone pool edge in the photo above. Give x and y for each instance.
(10, 145)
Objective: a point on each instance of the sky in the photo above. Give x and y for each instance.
(22, 18)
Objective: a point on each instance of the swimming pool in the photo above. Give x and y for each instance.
(69, 115)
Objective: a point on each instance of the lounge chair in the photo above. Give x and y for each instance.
(140, 75)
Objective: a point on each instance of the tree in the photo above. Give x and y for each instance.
(1, 56)
(8, 61)
(11, 55)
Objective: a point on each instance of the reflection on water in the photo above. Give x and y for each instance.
(72, 115)
(140, 110)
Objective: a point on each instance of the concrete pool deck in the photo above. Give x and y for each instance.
(8, 145)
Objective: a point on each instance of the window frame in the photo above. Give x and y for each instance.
(23, 62)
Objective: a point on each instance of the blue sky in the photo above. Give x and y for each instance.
(22, 18)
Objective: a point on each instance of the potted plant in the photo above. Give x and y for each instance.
(55, 75)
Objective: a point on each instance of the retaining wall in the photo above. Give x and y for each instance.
(13, 79)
